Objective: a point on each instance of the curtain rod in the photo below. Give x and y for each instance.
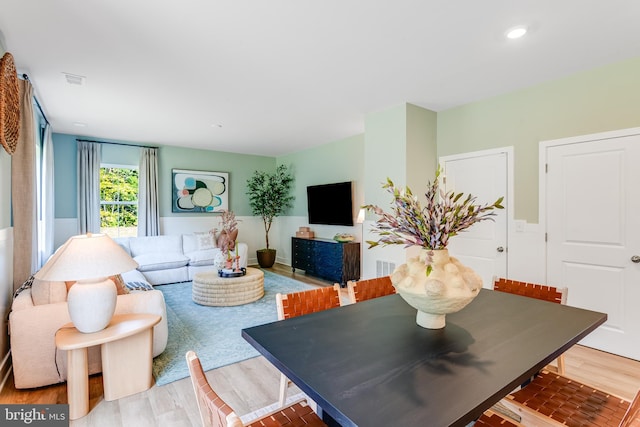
(115, 143)
(26, 77)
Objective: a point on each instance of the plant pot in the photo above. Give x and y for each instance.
(266, 257)
(448, 288)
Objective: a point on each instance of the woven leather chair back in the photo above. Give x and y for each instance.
(494, 419)
(532, 290)
(214, 412)
(363, 290)
(306, 302)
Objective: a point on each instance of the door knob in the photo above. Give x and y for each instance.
(635, 258)
(501, 249)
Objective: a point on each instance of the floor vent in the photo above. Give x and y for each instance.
(384, 268)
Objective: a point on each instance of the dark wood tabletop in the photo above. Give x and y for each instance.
(369, 364)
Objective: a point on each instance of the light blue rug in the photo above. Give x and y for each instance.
(214, 332)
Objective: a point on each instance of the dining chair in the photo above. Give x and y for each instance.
(533, 290)
(298, 304)
(363, 290)
(214, 412)
(491, 418)
(551, 399)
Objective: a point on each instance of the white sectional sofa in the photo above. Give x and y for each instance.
(38, 312)
(173, 259)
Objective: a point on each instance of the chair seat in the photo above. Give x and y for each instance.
(298, 414)
(492, 419)
(569, 402)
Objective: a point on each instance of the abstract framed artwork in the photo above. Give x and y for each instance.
(199, 191)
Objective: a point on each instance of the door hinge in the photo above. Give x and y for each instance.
(545, 237)
(546, 168)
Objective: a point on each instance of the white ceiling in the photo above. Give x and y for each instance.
(283, 75)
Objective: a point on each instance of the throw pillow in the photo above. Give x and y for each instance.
(26, 285)
(48, 292)
(139, 286)
(121, 288)
(204, 240)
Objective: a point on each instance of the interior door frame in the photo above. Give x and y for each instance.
(542, 172)
(508, 151)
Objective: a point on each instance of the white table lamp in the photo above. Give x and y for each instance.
(89, 260)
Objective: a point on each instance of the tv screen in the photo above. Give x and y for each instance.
(330, 204)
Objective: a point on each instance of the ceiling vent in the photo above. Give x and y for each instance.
(74, 79)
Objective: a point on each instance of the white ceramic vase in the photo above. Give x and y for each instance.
(91, 305)
(448, 288)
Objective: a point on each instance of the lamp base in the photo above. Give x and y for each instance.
(92, 304)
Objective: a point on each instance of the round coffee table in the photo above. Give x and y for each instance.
(211, 289)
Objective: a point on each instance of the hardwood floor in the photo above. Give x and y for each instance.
(253, 384)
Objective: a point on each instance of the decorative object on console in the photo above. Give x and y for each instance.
(9, 104)
(269, 196)
(199, 191)
(89, 260)
(305, 233)
(344, 237)
(434, 283)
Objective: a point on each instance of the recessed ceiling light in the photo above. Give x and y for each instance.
(516, 32)
(216, 125)
(80, 124)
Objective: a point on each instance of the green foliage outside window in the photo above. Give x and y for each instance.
(118, 197)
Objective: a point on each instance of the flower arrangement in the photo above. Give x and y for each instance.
(430, 226)
(229, 225)
(228, 221)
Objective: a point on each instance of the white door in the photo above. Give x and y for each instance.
(483, 246)
(593, 234)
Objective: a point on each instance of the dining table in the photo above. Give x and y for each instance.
(369, 364)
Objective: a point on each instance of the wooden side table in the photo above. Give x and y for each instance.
(126, 346)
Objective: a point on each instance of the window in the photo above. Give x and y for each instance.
(119, 200)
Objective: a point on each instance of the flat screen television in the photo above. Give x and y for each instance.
(330, 204)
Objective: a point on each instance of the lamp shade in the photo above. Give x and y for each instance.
(88, 256)
(88, 260)
(361, 215)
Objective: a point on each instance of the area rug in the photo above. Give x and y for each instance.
(214, 332)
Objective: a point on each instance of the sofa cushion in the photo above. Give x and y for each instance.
(205, 257)
(155, 244)
(124, 244)
(204, 240)
(48, 292)
(161, 261)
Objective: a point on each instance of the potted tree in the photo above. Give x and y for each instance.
(269, 196)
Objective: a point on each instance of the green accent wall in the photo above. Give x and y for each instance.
(337, 161)
(239, 167)
(602, 99)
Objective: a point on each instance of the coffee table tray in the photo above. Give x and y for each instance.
(230, 273)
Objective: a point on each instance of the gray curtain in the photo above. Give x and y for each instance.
(88, 187)
(23, 191)
(46, 206)
(148, 212)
